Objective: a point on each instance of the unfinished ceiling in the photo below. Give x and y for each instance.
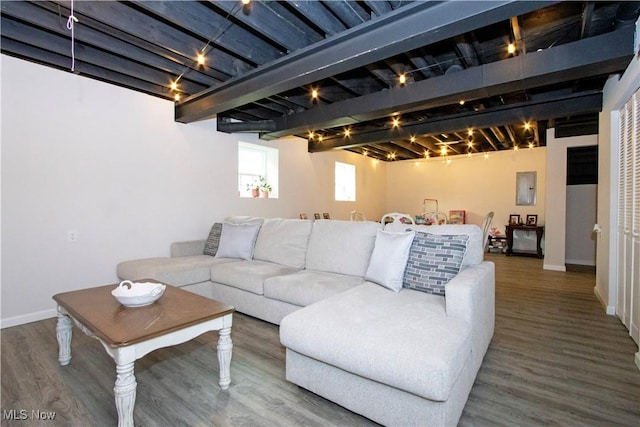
(394, 80)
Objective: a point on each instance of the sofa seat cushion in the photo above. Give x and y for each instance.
(308, 286)
(401, 339)
(179, 271)
(248, 275)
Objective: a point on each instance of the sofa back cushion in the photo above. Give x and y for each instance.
(475, 245)
(434, 259)
(237, 240)
(342, 247)
(283, 241)
(213, 241)
(244, 219)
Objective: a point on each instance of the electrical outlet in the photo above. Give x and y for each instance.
(72, 236)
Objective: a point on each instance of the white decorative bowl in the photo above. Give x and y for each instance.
(138, 294)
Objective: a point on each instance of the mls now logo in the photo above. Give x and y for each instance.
(15, 414)
(23, 414)
(42, 415)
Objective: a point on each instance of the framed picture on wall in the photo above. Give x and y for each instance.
(532, 220)
(514, 219)
(456, 217)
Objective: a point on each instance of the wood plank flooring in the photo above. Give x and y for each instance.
(555, 359)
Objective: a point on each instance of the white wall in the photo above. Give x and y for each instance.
(474, 184)
(555, 230)
(111, 164)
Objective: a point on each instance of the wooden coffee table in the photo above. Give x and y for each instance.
(127, 334)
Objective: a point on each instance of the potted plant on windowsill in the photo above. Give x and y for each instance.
(264, 187)
(254, 188)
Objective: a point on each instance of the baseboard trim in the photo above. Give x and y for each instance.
(554, 267)
(580, 262)
(27, 318)
(637, 358)
(610, 309)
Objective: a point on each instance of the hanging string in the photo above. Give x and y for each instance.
(72, 20)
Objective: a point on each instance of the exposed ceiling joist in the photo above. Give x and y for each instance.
(412, 26)
(598, 55)
(353, 52)
(584, 102)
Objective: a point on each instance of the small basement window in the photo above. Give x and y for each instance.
(345, 182)
(257, 168)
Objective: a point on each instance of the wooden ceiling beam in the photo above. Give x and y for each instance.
(62, 62)
(141, 25)
(598, 55)
(412, 26)
(266, 21)
(322, 18)
(583, 102)
(88, 55)
(215, 28)
(46, 16)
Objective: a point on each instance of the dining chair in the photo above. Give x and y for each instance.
(357, 216)
(486, 224)
(397, 216)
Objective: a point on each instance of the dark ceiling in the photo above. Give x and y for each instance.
(463, 92)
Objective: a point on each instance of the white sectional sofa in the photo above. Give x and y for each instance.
(395, 352)
(294, 263)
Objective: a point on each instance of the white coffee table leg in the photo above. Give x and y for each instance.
(224, 357)
(125, 393)
(64, 333)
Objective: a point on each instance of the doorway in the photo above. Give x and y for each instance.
(582, 193)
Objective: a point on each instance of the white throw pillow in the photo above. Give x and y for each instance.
(237, 240)
(389, 259)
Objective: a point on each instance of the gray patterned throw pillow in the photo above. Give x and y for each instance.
(433, 261)
(211, 246)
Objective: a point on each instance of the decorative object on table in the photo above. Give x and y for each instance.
(532, 220)
(325, 215)
(138, 294)
(303, 216)
(264, 187)
(514, 219)
(434, 218)
(316, 216)
(457, 217)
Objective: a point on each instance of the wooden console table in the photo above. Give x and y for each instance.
(539, 230)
